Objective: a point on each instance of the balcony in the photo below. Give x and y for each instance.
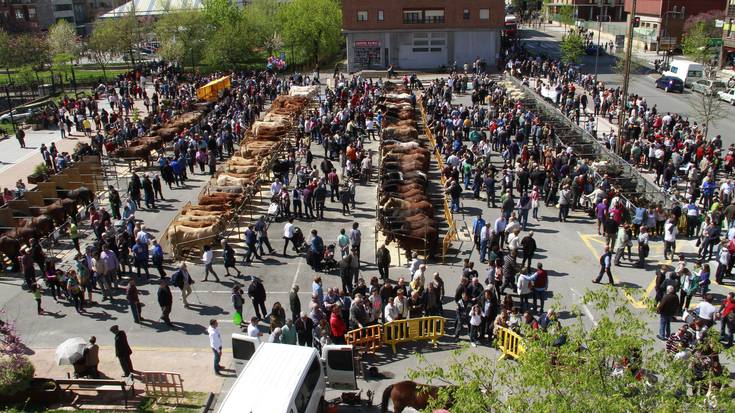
(424, 20)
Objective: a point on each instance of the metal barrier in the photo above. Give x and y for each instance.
(447, 241)
(367, 339)
(413, 329)
(648, 190)
(163, 384)
(509, 342)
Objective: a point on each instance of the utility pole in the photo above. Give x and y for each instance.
(10, 106)
(626, 79)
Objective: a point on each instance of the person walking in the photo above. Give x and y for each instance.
(528, 244)
(148, 193)
(157, 258)
(165, 301)
(605, 263)
(208, 259)
(238, 301)
(122, 350)
(667, 308)
(288, 233)
(182, 279)
(228, 256)
(140, 258)
(134, 301)
(257, 295)
(383, 259)
(215, 343)
(250, 242)
(356, 238)
(261, 228)
(304, 330)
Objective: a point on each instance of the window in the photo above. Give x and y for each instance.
(362, 15)
(484, 14)
(412, 16)
(380, 16)
(62, 7)
(420, 49)
(31, 13)
(308, 386)
(340, 360)
(466, 14)
(19, 15)
(434, 16)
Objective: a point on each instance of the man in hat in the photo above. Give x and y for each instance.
(122, 350)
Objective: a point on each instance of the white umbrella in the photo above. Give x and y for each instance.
(70, 351)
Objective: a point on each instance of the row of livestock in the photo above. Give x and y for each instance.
(238, 180)
(406, 213)
(42, 222)
(140, 148)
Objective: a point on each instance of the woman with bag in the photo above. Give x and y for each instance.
(689, 286)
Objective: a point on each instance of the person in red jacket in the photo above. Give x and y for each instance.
(337, 325)
(727, 318)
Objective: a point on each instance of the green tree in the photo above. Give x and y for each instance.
(572, 48)
(105, 43)
(312, 26)
(63, 46)
(696, 43)
(708, 109)
(182, 35)
(262, 17)
(230, 38)
(566, 15)
(611, 366)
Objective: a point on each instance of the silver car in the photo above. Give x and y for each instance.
(727, 96)
(19, 115)
(708, 87)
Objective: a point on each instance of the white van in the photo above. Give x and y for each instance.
(686, 70)
(283, 378)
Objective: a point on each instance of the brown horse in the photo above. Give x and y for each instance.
(409, 394)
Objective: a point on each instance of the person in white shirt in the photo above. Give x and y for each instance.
(142, 236)
(288, 230)
(723, 260)
(418, 278)
(276, 187)
(475, 323)
(524, 289)
(514, 240)
(207, 259)
(253, 330)
(670, 233)
(215, 342)
(401, 304)
(705, 311)
(416, 262)
(391, 312)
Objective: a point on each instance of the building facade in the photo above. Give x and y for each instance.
(610, 10)
(17, 16)
(728, 37)
(421, 34)
(662, 21)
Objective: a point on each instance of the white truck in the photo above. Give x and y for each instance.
(686, 70)
(284, 378)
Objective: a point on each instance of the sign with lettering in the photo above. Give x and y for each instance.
(367, 43)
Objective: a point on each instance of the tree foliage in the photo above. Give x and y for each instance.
(182, 35)
(696, 42)
(566, 15)
(708, 109)
(62, 41)
(105, 43)
(312, 27)
(611, 366)
(572, 47)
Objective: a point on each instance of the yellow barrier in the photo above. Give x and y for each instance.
(447, 241)
(509, 342)
(368, 339)
(210, 91)
(413, 329)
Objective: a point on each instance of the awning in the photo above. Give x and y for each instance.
(152, 7)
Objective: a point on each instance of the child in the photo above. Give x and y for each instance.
(36, 290)
(475, 321)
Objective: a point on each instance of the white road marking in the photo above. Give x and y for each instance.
(298, 269)
(586, 309)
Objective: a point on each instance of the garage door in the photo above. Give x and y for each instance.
(427, 51)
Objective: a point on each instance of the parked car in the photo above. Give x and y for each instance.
(670, 84)
(19, 114)
(708, 87)
(727, 95)
(592, 50)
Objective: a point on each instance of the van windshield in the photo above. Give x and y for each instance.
(308, 386)
(695, 73)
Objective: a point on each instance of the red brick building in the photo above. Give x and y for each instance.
(421, 34)
(662, 21)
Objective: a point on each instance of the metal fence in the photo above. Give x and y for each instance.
(644, 188)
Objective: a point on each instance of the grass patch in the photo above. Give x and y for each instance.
(191, 403)
(82, 76)
(7, 128)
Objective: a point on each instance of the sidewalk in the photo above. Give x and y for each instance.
(199, 364)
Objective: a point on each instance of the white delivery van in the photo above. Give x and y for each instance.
(283, 378)
(686, 70)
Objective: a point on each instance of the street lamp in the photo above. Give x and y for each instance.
(10, 105)
(600, 18)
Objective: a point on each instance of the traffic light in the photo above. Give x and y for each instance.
(637, 22)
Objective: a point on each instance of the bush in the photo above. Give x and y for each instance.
(41, 169)
(16, 373)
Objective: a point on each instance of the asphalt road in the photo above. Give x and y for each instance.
(641, 83)
(569, 252)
